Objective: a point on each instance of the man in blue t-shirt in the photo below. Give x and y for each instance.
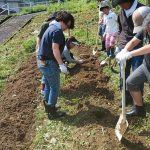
(50, 62)
(142, 73)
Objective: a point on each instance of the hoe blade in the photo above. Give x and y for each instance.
(121, 127)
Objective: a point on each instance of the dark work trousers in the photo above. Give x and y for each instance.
(133, 63)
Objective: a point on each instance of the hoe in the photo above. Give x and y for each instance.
(122, 123)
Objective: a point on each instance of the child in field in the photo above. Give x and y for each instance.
(111, 31)
(67, 56)
(102, 26)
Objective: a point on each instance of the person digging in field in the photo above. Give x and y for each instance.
(67, 56)
(111, 31)
(44, 27)
(50, 62)
(125, 35)
(135, 81)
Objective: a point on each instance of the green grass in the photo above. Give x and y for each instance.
(86, 29)
(29, 45)
(17, 50)
(53, 129)
(33, 9)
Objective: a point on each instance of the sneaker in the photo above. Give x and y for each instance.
(105, 62)
(138, 111)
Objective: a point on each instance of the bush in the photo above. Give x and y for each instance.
(29, 45)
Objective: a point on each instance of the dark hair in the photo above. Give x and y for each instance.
(118, 2)
(70, 40)
(101, 9)
(66, 17)
(146, 21)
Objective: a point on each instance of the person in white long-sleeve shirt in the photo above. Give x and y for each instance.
(67, 56)
(112, 28)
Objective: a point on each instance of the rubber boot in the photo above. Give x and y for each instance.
(46, 106)
(103, 46)
(112, 51)
(138, 111)
(108, 52)
(53, 113)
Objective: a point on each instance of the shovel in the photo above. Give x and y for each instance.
(95, 49)
(122, 123)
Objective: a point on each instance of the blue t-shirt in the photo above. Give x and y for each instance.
(52, 35)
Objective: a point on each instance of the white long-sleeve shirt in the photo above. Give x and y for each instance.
(111, 23)
(66, 54)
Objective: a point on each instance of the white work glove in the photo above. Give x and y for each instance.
(120, 54)
(121, 58)
(80, 61)
(63, 69)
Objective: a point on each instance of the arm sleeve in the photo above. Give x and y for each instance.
(119, 23)
(58, 37)
(66, 54)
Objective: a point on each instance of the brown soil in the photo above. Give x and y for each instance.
(17, 104)
(95, 117)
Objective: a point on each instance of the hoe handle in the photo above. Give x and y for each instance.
(123, 90)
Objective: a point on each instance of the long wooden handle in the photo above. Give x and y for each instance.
(123, 91)
(97, 34)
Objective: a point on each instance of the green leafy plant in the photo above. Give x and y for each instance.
(29, 45)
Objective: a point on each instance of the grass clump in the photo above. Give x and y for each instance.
(33, 9)
(29, 45)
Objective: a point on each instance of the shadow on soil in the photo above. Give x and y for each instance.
(92, 114)
(133, 146)
(87, 89)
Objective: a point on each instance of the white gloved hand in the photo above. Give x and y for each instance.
(120, 54)
(63, 69)
(80, 61)
(121, 58)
